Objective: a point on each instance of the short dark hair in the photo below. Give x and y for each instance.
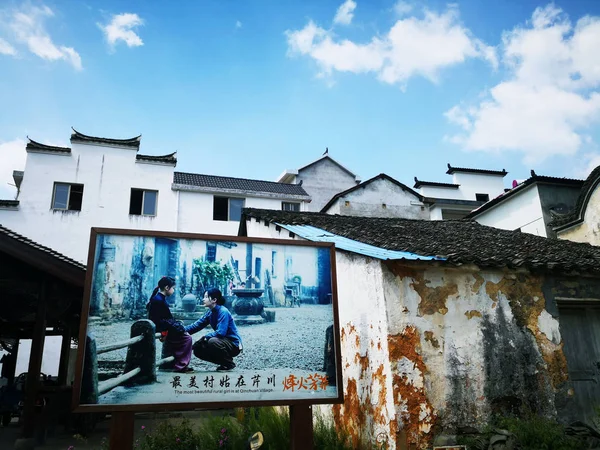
(216, 294)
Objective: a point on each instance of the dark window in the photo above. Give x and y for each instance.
(143, 202)
(211, 251)
(482, 197)
(225, 208)
(290, 206)
(274, 263)
(67, 197)
(220, 208)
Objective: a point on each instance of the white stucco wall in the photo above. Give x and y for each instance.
(322, 180)
(108, 174)
(471, 184)
(195, 212)
(441, 192)
(369, 201)
(588, 230)
(523, 210)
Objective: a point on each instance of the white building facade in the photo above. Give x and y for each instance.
(99, 182)
(531, 206)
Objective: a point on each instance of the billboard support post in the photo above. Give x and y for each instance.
(121, 430)
(301, 427)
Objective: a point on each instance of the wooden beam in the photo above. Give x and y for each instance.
(121, 431)
(35, 363)
(301, 427)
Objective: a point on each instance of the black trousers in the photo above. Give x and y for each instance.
(216, 350)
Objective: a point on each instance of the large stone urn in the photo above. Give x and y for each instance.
(188, 303)
(248, 302)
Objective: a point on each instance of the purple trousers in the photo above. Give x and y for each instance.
(180, 347)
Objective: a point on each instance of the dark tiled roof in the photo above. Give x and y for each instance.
(134, 142)
(419, 183)
(33, 145)
(460, 241)
(578, 213)
(381, 176)
(535, 178)
(240, 184)
(452, 170)
(167, 159)
(44, 251)
(9, 203)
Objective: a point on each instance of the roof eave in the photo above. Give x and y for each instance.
(238, 192)
(287, 176)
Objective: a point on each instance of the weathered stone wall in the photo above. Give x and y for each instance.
(380, 198)
(426, 350)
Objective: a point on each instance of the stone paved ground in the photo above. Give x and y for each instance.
(296, 340)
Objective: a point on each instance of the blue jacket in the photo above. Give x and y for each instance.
(221, 321)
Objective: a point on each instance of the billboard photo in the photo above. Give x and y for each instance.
(178, 321)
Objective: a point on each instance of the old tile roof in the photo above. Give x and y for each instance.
(9, 203)
(33, 145)
(238, 184)
(460, 241)
(41, 257)
(452, 170)
(134, 142)
(535, 178)
(167, 159)
(381, 176)
(578, 213)
(419, 183)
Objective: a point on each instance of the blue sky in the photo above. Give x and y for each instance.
(250, 88)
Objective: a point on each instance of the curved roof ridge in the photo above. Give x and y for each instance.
(130, 142)
(52, 148)
(578, 214)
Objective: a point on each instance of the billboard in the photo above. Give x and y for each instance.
(179, 321)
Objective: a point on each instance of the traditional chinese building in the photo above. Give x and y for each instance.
(444, 323)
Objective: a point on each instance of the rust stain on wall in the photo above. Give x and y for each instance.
(408, 345)
(358, 417)
(412, 404)
(351, 417)
(472, 313)
(432, 340)
(433, 300)
(478, 283)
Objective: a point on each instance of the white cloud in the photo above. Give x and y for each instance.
(550, 96)
(6, 48)
(238, 24)
(402, 8)
(121, 28)
(27, 24)
(12, 155)
(345, 13)
(412, 47)
(589, 162)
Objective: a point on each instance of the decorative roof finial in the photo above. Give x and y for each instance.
(533, 174)
(326, 151)
(449, 166)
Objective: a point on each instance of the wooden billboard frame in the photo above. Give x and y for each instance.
(187, 406)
